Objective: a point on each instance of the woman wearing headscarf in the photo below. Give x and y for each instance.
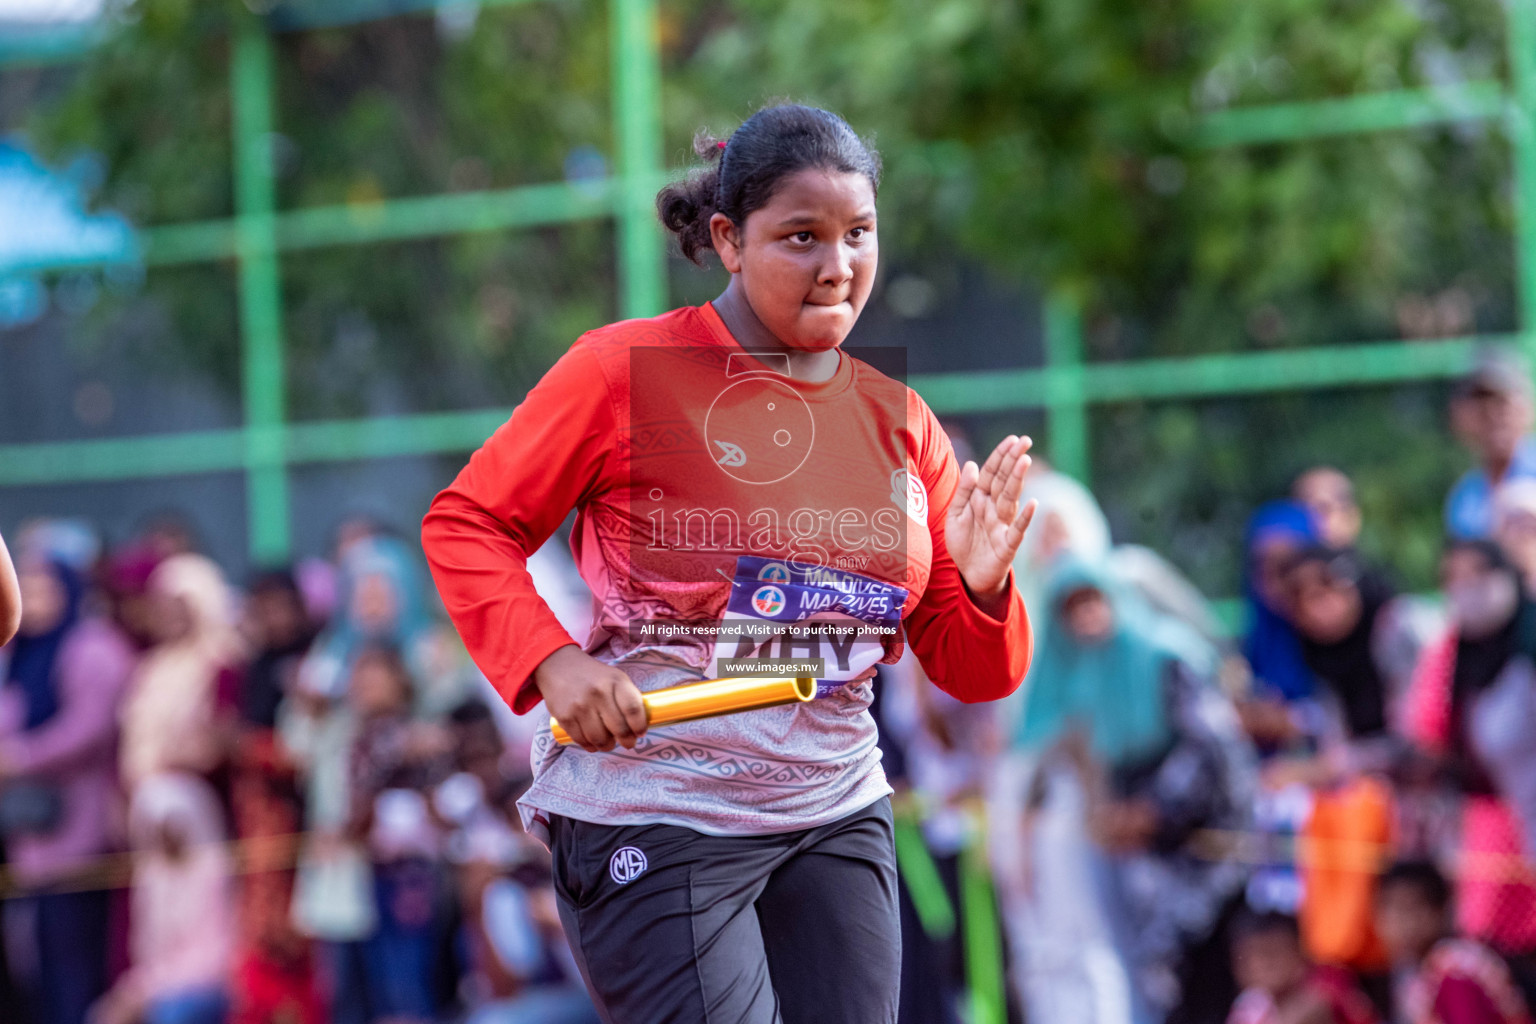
(1472, 702)
(1362, 640)
(182, 921)
(380, 602)
(1277, 531)
(58, 792)
(1128, 693)
(1068, 524)
(169, 718)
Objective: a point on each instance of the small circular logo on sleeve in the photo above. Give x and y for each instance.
(907, 491)
(626, 864)
(768, 601)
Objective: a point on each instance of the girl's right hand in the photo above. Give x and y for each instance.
(596, 703)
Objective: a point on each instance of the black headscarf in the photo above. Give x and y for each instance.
(34, 658)
(268, 677)
(1348, 665)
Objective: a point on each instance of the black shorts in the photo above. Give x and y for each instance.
(671, 926)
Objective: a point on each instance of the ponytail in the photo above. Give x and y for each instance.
(741, 174)
(685, 207)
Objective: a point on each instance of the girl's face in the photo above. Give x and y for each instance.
(807, 259)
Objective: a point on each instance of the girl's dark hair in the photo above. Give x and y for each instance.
(743, 172)
(1421, 875)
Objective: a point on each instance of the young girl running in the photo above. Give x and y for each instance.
(746, 492)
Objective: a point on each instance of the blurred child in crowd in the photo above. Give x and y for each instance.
(394, 761)
(182, 920)
(1282, 986)
(1438, 978)
(10, 596)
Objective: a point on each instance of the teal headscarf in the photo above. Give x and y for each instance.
(1113, 690)
(389, 562)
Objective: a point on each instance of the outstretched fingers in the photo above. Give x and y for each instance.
(988, 477)
(1016, 529)
(966, 491)
(1013, 484)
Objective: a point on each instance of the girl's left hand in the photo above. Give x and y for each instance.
(985, 524)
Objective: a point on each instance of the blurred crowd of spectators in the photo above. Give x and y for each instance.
(287, 805)
(1328, 819)
(292, 802)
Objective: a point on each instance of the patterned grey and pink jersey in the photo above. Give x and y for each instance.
(710, 486)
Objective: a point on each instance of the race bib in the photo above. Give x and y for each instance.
(788, 618)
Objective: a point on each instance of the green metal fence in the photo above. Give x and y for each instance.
(268, 446)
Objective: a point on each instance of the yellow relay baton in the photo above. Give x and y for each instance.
(715, 697)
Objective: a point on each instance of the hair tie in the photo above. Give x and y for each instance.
(721, 143)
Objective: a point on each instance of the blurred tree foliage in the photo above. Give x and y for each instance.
(1052, 141)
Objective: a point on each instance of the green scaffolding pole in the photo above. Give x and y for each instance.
(1192, 377)
(1522, 134)
(637, 133)
(266, 444)
(261, 300)
(1067, 421)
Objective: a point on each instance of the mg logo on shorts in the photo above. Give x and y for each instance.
(626, 864)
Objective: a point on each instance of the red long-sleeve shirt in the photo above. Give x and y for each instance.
(681, 452)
